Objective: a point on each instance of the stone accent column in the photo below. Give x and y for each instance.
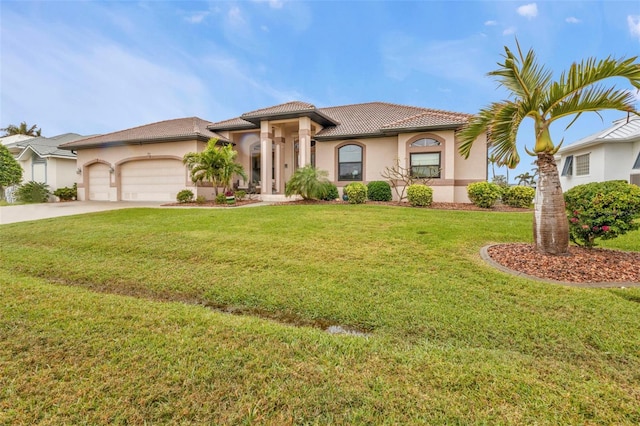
(266, 163)
(304, 135)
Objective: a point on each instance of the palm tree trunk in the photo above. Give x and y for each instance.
(550, 224)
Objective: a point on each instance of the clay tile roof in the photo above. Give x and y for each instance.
(378, 118)
(430, 118)
(233, 124)
(289, 107)
(163, 131)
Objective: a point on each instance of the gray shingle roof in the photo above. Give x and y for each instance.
(47, 147)
(163, 131)
(348, 121)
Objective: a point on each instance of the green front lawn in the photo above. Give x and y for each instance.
(102, 321)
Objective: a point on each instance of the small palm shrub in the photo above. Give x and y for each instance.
(484, 194)
(332, 193)
(379, 190)
(66, 193)
(185, 196)
(241, 195)
(420, 195)
(201, 200)
(356, 192)
(221, 198)
(518, 196)
(309, 183)
(33, 192)
(602, 210)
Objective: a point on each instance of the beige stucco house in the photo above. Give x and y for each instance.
(351, 142)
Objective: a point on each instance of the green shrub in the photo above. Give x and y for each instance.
(33, 192)
(221, 198)
(309, 183)
(602, 210)
(518, 196)
(379, 190)
(332, 193)
(357, 193)
(200, 199)
(66, 193)
(484, 194)
(185, 196)
(240, 195)
(419, 195)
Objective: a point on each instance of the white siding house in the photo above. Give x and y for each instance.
(612, 154)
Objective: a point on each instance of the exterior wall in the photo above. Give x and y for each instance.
(618, 160)
(114, 157)
(61, 172)
(611, 161)
(380, 153)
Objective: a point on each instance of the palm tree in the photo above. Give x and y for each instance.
(22, 129)
(525, 178)
(215, 164)
(535, 95)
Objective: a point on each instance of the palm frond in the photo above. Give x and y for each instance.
(593, 99)
(521, 74)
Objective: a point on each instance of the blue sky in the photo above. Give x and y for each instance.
(95, 67)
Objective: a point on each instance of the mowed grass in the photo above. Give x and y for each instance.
(94, 327)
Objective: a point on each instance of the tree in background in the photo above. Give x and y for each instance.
(535, 95)
(10, 170)
(22, 129)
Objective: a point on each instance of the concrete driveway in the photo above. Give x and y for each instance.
(25, 212)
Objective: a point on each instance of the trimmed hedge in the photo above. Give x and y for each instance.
(484, 194)
(419, 195)
(518, 196)
(379, 190)
(357, 193)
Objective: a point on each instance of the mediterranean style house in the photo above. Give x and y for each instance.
(612, 154)
(351, 142)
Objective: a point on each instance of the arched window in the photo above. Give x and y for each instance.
(425, 158)
(350, 162)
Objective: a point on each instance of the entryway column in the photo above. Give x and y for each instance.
(304, 134)
(279, 145)
(266, 161)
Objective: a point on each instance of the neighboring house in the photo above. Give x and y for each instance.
(351, 142)
(612, 154)
(42, 161)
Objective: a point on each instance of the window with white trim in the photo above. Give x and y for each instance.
(582, 165)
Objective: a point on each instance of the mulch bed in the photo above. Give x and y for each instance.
(581, 265)
(212, 203)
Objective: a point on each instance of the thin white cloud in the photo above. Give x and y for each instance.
(491, 23)
(634, 25)
(236, 17)
(455, 60)
(197, 17)
(528, 10)
(509, 31)
(573, 20)
(274, 4)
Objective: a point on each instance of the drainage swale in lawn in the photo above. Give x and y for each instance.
(289, 319)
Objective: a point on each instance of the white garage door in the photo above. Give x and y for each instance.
(99, 178)
(152, 180)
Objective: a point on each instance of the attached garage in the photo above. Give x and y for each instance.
(99, 182)
(152, 180)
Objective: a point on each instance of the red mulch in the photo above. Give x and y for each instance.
(581, 265)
